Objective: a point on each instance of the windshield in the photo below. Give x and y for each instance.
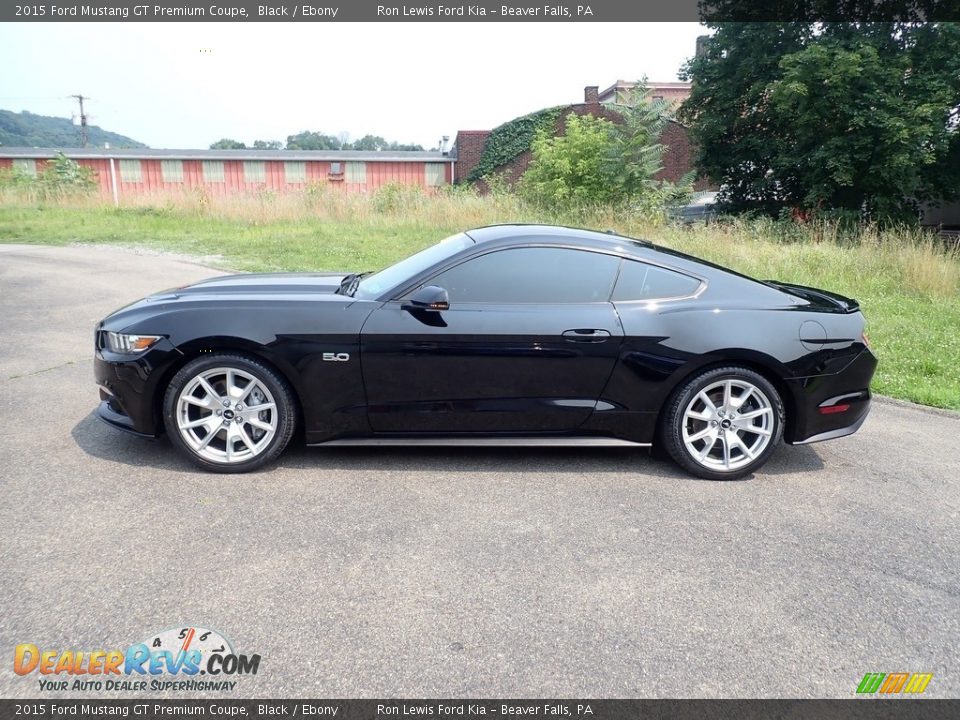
(375, 285)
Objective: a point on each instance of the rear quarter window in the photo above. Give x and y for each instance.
(639, 281)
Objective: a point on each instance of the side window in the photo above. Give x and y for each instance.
(531, 275)
(130, 171)
(356, 172)
(639, 281)
(254, 171)
(213, 170)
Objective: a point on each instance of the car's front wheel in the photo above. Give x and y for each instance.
(724, 423)
(229, 413)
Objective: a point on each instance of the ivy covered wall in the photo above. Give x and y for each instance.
(510, 140)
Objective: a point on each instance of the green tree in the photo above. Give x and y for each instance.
(370, 142)
(267, 145)
(842, 118)
(404, 147)
(635, 152)
(308, 140)
(228, 144)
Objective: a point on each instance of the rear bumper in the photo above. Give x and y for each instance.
(832, 406)
(837, 432)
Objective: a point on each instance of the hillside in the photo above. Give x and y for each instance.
(24, 129)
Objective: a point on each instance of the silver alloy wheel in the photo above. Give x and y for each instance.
(226, 415)
(727, 425)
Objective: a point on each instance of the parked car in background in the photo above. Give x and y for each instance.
(512, 334)
(701, 208)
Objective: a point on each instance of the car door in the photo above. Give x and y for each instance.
(526, 346)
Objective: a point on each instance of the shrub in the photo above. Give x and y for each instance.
(396, 197)
(598, 162)
(62, 177)
(571, 170)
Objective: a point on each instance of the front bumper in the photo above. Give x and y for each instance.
(115, 418)
(128, 387)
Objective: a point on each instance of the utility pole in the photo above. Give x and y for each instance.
(83, 120)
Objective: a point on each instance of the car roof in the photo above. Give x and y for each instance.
(520, 231)
(517, 233)
(608, 241)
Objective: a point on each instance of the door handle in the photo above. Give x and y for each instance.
(591, 335)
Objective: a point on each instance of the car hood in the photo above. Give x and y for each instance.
(258, 284)
(247, 290)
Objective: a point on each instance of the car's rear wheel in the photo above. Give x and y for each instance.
(229, 413)
(724, 423)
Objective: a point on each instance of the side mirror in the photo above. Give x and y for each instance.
(430, 297)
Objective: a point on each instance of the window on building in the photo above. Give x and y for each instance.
(295, 172)
(254, 171)
(435, 174)
(531, 275)
(131, 171)
(213, 170)
(639, 281)
(25, 166)
(171, 171)
(657, 97)
(356, 172)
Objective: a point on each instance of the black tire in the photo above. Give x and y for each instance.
(739, 445)
(258, 445)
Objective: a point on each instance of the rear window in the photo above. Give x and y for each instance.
(639, 281)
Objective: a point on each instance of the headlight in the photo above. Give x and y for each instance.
(129, 344)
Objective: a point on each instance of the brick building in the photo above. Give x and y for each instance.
(677, 157)
(672, 93)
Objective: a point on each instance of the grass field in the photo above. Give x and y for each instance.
(907, 283)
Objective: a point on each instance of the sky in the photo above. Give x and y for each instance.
(186, 85)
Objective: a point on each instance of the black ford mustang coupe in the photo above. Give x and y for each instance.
(512, 334)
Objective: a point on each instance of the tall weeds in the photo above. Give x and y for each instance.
(913, 260)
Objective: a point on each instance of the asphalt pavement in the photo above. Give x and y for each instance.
(371, 572)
